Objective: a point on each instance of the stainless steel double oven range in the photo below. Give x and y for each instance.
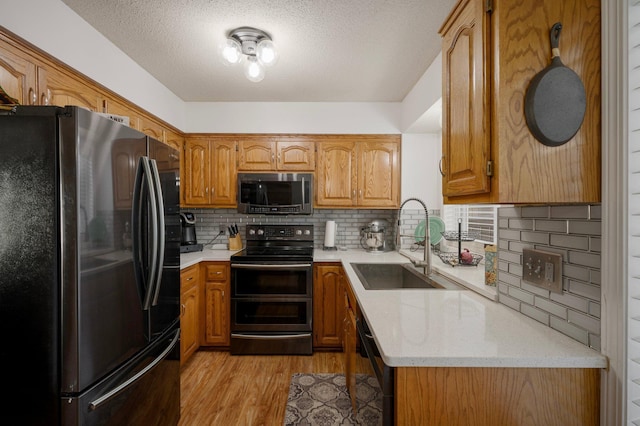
(272, 291)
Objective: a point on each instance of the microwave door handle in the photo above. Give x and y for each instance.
(159, 247)
(154, 234)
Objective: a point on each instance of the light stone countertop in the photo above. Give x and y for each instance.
(455, 328)
(446, 328)
(206, 255)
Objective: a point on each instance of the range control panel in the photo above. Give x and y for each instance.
(542, 269)
(280, 232)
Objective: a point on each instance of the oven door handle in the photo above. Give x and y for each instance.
(271, 336)
(279, 266)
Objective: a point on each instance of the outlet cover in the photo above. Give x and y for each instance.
(542, 269)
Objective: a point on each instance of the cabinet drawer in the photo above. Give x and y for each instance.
(189, 276)
(215, 272)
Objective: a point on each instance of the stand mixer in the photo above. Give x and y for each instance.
(372, 236)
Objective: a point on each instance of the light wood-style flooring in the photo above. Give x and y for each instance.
(221, 389)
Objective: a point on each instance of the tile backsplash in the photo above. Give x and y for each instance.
(348, 223)
(572, 231)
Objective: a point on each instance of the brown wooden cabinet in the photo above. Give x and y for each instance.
(217, 305)
(490, 52)
(189, 312)
(497, 396)
(210, 177)
(358, 173)
(328, 306)
(19, 75)
(63, 89)
(271, 154)
(32, 82)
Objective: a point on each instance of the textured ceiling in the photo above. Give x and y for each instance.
(330, 50)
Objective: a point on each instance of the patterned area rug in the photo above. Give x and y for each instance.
(323, 400)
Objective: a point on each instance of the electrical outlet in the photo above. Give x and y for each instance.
(542, 269)
(222, 229)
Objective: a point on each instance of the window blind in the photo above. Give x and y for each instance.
(633, 218)
(479, 219)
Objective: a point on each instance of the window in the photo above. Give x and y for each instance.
(477, 219)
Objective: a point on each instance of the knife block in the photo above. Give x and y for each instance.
(235, 243)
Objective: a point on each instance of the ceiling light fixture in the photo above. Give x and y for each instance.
(255, 45)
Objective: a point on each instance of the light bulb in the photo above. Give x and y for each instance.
(231, 52)
(253, 70)
(267, 53)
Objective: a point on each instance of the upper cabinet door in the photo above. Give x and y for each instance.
(466, 136)
(255, 155)
(18, 76)
(296, 155)
(60, 89)
(336, 174)
(196, 173)
(223, 173)
(378, 174)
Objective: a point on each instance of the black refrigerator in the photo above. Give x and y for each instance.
(89, 271)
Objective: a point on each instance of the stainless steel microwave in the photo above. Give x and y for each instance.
(275, 193)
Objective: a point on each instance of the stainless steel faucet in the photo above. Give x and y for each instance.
(426, 263)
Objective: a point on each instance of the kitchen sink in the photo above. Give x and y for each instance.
(394, 276)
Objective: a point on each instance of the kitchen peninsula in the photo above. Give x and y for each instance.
(459, 355)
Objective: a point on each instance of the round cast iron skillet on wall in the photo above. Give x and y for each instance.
(555, 102)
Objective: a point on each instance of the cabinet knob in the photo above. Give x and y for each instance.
(33, 98)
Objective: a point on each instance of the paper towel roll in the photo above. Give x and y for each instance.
(330, 234)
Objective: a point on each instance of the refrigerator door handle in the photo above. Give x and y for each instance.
(93, 405)
(159, 248)
(144, 180)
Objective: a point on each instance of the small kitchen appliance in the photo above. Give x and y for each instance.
(372, 236)
(188, 240)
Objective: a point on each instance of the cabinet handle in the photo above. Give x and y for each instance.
(189, 279)
(46, 97)
(360, 193)
(33, 98)
(273, 157)
(206, 191)
(182, 309)
(440, 166)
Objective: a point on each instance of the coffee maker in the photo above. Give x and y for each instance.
(188, 240)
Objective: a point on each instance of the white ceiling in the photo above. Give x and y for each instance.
(330, 50)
